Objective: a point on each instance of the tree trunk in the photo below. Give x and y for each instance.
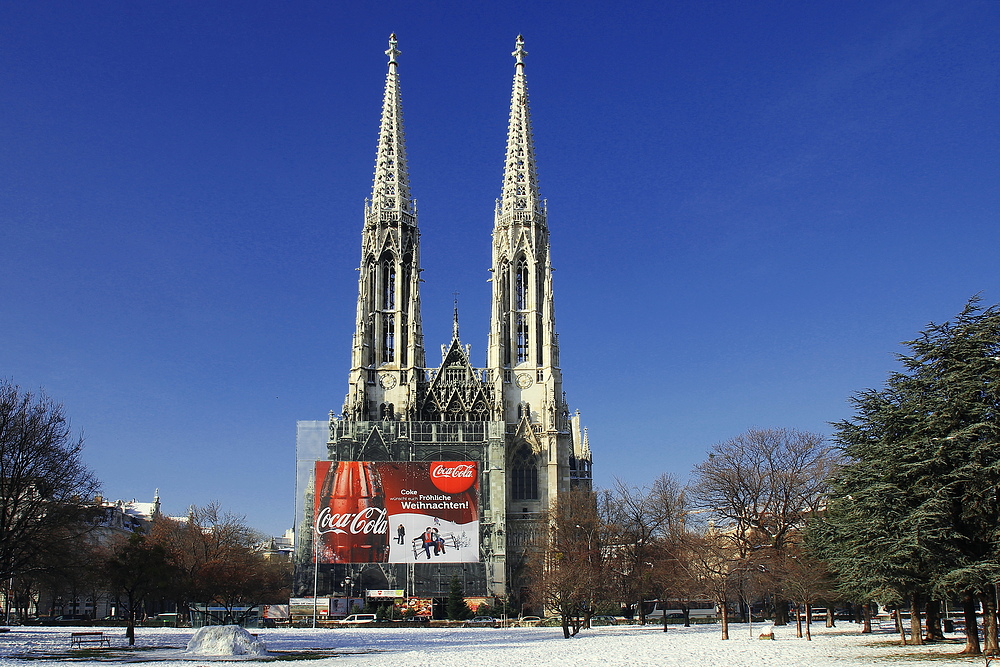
(724, 610)
(809, 621)
(565, 626)
(899, 625)
(780, 611)
(933, 622)
(130, 630)
(916, 627)
(988, 599)
(798, 622)
(971, 626)
(866, 610)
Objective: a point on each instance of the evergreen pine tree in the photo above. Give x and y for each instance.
(456, 608)
(916, 511)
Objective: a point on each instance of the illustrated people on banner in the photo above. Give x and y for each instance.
(400, 533)
(428, 541)
(438, 542)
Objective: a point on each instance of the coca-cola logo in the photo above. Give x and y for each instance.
(453, 476)
(369, 521)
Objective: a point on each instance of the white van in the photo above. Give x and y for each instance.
(358, 618)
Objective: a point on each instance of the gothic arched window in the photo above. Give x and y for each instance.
(522, 338)
(389, 339)
(524, 475)
(521, 286)
(389, 285)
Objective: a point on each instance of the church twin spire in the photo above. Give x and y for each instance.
(391, 190)
(520, 196)
(388, 355)
(388, 352)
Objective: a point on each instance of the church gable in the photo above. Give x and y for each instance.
(524, 243)
(456, 393)
(456, 358)
(375, 448)
(524, 436)
(390, 242)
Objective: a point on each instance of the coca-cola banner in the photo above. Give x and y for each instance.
(397, 512)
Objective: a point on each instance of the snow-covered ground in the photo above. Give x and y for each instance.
(612, 646)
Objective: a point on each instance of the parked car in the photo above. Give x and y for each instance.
(481, 622)
(357, 618)
(603, 620)
(528, 621)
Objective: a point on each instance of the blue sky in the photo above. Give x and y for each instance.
(750, 204)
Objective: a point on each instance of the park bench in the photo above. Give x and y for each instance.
(78, 639)
(451, 540)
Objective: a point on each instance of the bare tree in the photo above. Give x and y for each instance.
(709, 561)
(805, 581)
(760, 488)
(671, 577)
(44, 484)
(639, 520)
(220, 560)
(568, 570)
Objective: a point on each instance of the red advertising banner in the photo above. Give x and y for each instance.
(397, 512)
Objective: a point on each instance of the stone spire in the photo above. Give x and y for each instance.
(520, 183)
(387, 354)
(391, 190)
(523, 351)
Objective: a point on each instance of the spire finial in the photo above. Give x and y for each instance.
(454, 326)
(392, 51)
(519, 53)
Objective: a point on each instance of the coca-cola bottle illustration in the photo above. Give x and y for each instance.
(351, 521)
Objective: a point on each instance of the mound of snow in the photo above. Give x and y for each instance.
(225, 640)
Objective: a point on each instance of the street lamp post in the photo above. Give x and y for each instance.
(590, 563)
(315, 571)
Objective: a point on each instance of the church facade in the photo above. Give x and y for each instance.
(510, 416)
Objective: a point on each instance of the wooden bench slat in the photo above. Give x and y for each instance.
(81, 638)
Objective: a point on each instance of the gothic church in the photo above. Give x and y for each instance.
(511, 416)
